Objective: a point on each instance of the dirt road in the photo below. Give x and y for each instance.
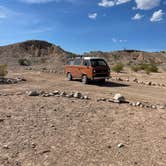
(60, 131)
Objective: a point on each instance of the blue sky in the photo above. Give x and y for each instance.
(86, 25)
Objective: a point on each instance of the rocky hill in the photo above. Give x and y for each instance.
(131, 56)
(40, 53)
(46, 55)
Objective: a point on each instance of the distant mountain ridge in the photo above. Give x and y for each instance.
(45, 54)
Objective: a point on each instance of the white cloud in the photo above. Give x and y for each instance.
(118, 2)
(106, 3)
(157, 16)
(147, 4)
(114, 40)
(137, 17)
(110, 3)
(93, 16)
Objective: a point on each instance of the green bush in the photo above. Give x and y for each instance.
(118, 67)
(152, 68)
(147, 67)
(24, 62)
(3, 70)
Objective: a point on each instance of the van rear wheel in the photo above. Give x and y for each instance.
(84, 79)
(69, 77)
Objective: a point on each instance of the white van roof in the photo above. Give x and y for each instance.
(90, 58)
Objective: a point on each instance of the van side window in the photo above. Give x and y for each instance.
(71, 63)
(86, 63)
(77, 62)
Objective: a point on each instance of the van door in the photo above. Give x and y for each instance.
(76, 68)
(86, 68)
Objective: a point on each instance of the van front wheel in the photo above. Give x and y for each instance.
(84, 79)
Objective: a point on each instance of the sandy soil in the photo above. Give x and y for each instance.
(38, 131)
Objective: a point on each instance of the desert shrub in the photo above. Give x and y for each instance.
(163, 51)
(3, 70)
(43, 60)
(118, 67)
(152, 68)
(147, 67)
(116, 57)
(24, 62)
(135, 68)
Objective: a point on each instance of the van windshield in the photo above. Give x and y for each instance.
(98, 62)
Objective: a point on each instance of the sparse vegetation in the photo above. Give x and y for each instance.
(116, 57)
(24, 62)
(118, 67)
(135, 68)
(148, 68)
(163, 51)
(70, 55)
(3, 70)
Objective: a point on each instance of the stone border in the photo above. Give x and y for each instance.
(11, 80)
(135, 80)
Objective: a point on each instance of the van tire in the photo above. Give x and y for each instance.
(69, 77)
(84, 79)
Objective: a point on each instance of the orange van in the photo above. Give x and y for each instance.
(88, 68)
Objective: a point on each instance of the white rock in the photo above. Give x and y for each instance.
(120, 145)
(138, 103)
(33, 93)
(77, 95)
(118, 98)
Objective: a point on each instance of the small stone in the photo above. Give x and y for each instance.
(135, 80)
(33, 145)
(46, 95)
(69, 96)
(153, 84)
(63, 94)
(133, 104)
(119, 79)
(51, 94)
(149, 83)
(77, 95)
(154, 107)
(120, 145)
(138, 103)
(141, 105)
(86, 97)
(6, 146)
(56, 92)
(161, 107)
(33, 93)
